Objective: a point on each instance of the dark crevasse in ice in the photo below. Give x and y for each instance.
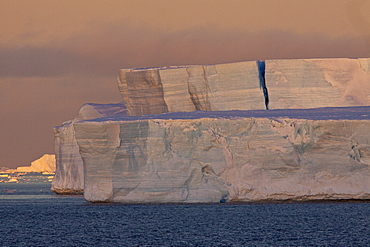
(261, 65)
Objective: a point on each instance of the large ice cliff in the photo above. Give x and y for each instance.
(69, 175)
(221, 87)
(209, 139)
(235, 156)
(291, 84)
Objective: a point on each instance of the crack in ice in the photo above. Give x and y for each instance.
(261, 65)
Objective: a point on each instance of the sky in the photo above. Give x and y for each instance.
(57, 55)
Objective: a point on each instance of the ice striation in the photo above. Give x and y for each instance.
(286, 84)
(310, 83)
(238, 156)
(222, 87)
(69, 174)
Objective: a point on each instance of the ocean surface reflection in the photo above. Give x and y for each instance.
(33, 216)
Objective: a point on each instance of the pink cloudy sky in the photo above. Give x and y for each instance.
(57, 55)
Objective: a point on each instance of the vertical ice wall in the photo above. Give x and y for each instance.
(143, 92)
(310, 83)
(289, 83)
(227, 156)
(220, 87)
(69, 174)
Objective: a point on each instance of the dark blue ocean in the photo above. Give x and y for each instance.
(31, 215)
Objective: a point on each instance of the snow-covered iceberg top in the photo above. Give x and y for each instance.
(325, 113)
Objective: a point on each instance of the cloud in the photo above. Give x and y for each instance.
(102, 49)
(37, 61)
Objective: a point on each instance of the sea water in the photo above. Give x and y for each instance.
(31, 215)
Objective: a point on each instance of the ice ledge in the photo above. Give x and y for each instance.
(324, 113)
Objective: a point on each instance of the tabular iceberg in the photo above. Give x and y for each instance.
(208, 139)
